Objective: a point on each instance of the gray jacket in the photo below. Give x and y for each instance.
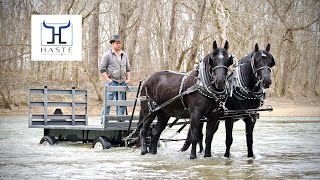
(115, 69)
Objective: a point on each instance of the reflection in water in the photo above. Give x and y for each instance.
(283, 148)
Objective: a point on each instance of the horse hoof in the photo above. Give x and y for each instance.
(143, 152)
(153, 152)
(207, 155)
(250, 156)
(193, 156)
(201, 150)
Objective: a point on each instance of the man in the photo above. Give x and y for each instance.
(115, 70)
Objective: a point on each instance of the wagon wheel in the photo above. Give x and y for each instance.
(48, 140)
(101, 143)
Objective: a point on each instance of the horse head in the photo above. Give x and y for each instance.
(219, 61)
(261, 63)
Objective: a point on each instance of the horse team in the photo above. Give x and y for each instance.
(206, 90)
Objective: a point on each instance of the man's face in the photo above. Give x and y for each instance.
(117, 45)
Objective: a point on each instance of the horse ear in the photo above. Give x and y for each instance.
(256, 47)
(210, 61)
(273, 63)
(230, 60)
(268, 47)
(215, 46)
(226, 45)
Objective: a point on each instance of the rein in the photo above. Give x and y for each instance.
(203, 85)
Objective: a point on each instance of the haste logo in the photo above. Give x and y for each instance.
(56, 38)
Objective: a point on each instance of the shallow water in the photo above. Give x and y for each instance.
(284, 148)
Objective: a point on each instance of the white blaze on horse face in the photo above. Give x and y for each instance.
(220, 55)
(263, 55)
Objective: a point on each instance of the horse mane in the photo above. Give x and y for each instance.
(246, 59)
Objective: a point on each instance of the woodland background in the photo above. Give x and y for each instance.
(162, 35)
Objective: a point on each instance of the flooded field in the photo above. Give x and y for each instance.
(284, 148)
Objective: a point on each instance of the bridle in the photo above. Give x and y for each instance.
(255, 70)
(206, 86)
(213, 77)
(237, 85)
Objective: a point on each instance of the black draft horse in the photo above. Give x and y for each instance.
(208, 82)
(247, 83)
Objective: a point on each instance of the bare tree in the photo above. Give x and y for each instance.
(201, 4)
(161, 35)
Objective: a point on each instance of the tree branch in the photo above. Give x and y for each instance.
(183, 53)
(306, 26)
(9, 59)
(70, 7)
(11, 45)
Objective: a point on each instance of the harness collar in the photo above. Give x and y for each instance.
(206, 87)
(240, 90)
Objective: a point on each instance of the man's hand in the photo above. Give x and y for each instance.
(127, 81)
(106, 77)
(108, 80)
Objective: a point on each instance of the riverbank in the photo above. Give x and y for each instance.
(292, 108)
(281, 107)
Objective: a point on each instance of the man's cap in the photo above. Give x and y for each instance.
(115, 38)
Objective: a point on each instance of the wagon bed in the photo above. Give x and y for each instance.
(63, 116)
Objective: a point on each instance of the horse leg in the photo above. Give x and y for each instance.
(200, 137)
(250, 122)
(195, 127)
(143, 132)
(187, 143)
(212, 127)
(229, 139)
(156, 132)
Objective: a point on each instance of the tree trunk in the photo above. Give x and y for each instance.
(93, 82)
(125, 12)
(75, 74)
(196, 33)
(135, 36)
(287, 68)
(6, 101)
(94, 44)
(221, 19)
(171, 43)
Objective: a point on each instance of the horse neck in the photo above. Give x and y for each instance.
(207, 66)
(207, 75)
(248, 78)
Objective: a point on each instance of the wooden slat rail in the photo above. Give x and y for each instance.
(121, 103)
(121, 88)
(58, 104)
(58, 91)
(123, 119)
(46, 119)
